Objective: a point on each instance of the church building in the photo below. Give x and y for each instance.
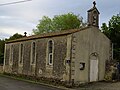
(77, 55)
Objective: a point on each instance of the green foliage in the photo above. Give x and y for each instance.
(105, 29)
(2, 44)
(66, 21)
(113, 33)
(44, 26)
(15, 36)
(58, 23)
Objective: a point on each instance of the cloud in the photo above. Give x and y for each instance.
(4, 35)
(22, 17)
(12, 25)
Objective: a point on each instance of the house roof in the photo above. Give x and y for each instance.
(46, 35)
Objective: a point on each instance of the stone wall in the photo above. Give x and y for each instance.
(58, 68)
(40, 68)
(15, 58)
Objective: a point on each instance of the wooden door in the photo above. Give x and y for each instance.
(93, 70)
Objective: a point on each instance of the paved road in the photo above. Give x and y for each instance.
(12, 84)
(101, 86)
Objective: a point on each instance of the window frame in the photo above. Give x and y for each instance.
(50, 53)
(50, 61)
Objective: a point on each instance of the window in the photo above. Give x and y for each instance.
(50, 58)
(33, 51)
(94, 18)
(50, 52)
(21, 54)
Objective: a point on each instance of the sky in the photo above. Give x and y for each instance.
(23, 17)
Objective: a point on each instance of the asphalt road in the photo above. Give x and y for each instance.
(101, 86)
(12, 84)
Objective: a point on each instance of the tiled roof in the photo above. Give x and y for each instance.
(46, 35)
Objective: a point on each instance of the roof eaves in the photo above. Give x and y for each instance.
(46, 35)
(93, 9)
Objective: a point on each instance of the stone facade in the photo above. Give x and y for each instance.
(67, 56)
(40, 68)
(70, 49)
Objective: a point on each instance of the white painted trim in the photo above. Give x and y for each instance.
(49, 58)
(47, 53)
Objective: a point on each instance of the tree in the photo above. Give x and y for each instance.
(45, 25)
(58, 23)
(15, 36)
(105, 30)
(66, 21)
(2, 44)
(113, 33)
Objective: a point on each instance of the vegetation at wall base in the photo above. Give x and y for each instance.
(38, 80)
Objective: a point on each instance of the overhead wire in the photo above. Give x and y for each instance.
(16, 2)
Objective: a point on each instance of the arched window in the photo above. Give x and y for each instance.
(33, 51)
(94, 18)
(50, 52)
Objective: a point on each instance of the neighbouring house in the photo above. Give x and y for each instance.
(77, 55)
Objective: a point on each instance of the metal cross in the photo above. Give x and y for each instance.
(94, 3)
(25, 34)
